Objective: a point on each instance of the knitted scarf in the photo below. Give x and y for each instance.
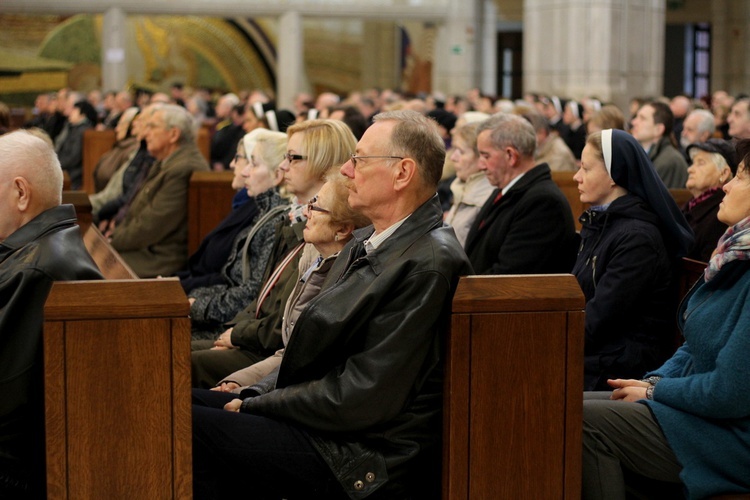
(733, 245)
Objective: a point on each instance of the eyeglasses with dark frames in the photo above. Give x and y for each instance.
(290, 157)
(355, 158)
(311, 206)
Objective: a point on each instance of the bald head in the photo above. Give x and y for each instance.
(30, 180)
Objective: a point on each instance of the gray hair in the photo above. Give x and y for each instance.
(415, 136)
(510, 130)
(706, 123)
(272, 147)
(178, 117)
(26, 155)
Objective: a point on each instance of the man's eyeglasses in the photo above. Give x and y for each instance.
(290, 157)
(356, 158)
(311, 206)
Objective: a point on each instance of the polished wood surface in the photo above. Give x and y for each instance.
(209, 202)
(110, 263)
(82, 204)
(95, 144)
(117, 390)
(513, 398)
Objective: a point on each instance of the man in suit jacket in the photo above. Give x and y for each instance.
(153, 236)
(526, 225)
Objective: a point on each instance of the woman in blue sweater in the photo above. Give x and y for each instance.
(693, 423)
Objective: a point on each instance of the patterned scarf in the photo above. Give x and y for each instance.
(733, 245)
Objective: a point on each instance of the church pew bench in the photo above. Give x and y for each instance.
(117, 390)
(513, 389)
(209, 202)
(117, 384)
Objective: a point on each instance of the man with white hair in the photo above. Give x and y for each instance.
(699, 126)
(39, 243)
(152, 238)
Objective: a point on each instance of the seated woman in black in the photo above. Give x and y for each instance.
(631, 238)
(713, 164)
(204, 266)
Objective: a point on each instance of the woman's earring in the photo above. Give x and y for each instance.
(336, 238)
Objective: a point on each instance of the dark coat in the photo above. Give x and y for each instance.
(224, 144)
(625, 273)
(707, 228)
(204, 266)
(530, 230)
(49, 248)
(669, 163)
(69, 149)
(362, 372)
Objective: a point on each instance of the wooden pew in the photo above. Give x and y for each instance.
(117, 385)
(95, 144)
(82, 204)
(209, 202)
(117, 390)
(513, 389)
(681, 196)
(111, 264)
(569, 188)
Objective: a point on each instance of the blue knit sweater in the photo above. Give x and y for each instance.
(703, 402)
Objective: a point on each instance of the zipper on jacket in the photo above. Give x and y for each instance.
(593, 271)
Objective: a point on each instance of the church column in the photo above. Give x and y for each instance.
(114, 63)
(488, 57)
(290, 65)
(730, 46)
(456, 69)
(607, 48)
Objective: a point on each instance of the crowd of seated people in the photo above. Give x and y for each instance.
(253, 277)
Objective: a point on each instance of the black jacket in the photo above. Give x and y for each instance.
(626, 275)
(362, 371)
(204, 266)
(707, 228)
(530, 230)
(49, 248)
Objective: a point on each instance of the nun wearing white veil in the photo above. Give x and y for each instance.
(631, 238)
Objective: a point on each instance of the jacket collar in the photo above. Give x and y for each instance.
(424, 219)
(540, 172)
(49, 220)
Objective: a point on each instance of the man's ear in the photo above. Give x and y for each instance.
(659, 129)
(174, 135)
(512, 155)
(404, 173)
(21, 191)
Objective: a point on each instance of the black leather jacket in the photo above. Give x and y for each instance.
(362, 372)
(48, 248)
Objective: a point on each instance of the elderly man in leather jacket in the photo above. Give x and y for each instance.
(39, 243)
(354, 411)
